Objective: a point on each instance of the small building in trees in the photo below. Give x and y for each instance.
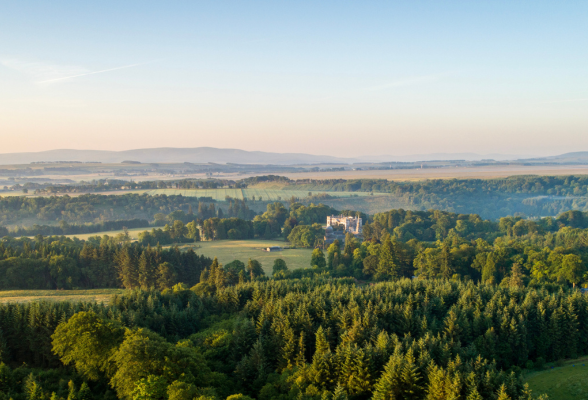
(338, 226)
(349, 224)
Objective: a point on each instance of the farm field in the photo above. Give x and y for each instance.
(412, 174)
(242, 250)
(26, 296)
(133, 233)
(263, 194)
(488, 172)
(562, 383)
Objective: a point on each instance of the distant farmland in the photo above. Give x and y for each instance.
(264, 194)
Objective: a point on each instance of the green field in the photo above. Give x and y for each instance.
(242, 250)
(25, 296)
(567, 382)
(133, 233)
(264, 194)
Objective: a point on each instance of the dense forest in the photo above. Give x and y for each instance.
(292, 339)
(529, 196)
(534, 196)
(429, 305)
(398, 243)
(84, 213)
(491, 199)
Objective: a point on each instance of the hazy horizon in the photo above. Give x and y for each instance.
(367, 158)
(337, 79)
(239, 156)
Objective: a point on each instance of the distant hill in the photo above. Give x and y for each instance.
(202, 155)
(442, 156)
(580, 157)
(169, 155)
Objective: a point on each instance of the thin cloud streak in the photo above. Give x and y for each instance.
(41, 70)
(47, 73)
(92, 73)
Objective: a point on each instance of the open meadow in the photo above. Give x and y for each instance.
(90, 295)
(242, 250)
(133, 233)
(568, 382)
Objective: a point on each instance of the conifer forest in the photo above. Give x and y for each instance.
(424, 305)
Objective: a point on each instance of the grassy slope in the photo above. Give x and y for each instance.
(25, 296)
(229, 250)
(562, 383)
(369, 204)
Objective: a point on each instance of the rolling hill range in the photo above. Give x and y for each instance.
(203, 155)
(168, 155)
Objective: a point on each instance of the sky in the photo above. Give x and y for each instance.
(337, 78)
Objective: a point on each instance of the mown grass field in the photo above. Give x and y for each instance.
(26, 296)
(242, 250)
(261, 193)
(133, 233)
(567, 382)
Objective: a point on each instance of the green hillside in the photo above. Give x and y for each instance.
(562, 383)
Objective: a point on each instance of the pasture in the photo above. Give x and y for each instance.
(567, 382)
(90, 295)
(133, 233)
(242, 250)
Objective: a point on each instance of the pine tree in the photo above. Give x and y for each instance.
(301, 356)
(289, 348)
(474, 395)
(387, 268)
(146, 270)
(128, 271)
(360, 381)
(410, 378)
(84, 393)
(501, 394)
(32, 389)
(389, 386)
(322, 345)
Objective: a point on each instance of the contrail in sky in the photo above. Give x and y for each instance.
(93, 72)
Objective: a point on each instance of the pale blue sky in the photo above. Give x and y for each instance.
(346, 78)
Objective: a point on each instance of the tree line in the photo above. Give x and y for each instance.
(92, 207)
(62, 263)
(528, 195)
(398, 243)
(65, 228)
